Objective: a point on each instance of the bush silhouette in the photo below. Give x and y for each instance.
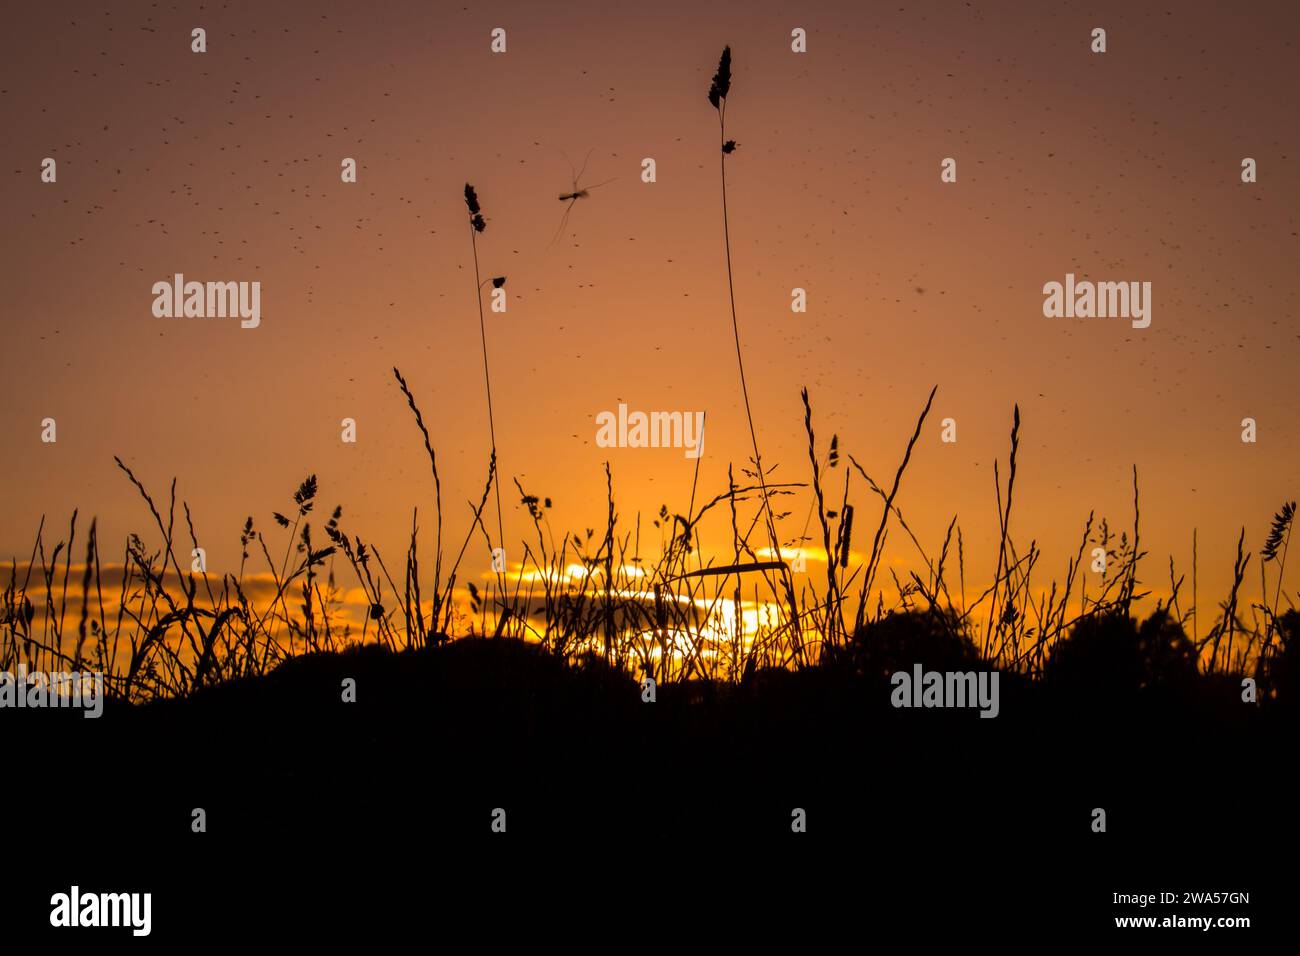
(1280, 672)
(896, 642)
(1114, 655)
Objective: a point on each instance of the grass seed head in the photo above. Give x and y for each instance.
(721, 80)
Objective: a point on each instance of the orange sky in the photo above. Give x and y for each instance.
(225, 166)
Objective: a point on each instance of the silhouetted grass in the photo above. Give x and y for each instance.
(172, 627)
(674, 614)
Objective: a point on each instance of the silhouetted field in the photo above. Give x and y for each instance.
(525, 690)
(911, 814)
(166, 632)
(166, 627)
(650, 601)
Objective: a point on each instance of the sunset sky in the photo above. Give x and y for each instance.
(1122, 166)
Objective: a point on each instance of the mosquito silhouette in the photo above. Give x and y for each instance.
(576, 192)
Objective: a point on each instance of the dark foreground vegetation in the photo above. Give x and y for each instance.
(489, 721)
(626, 818)
(324, 813)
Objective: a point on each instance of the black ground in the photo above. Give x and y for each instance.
(660, 821)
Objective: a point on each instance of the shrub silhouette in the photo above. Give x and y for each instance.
(1280, 672)
(1113, 655)
(896, 642)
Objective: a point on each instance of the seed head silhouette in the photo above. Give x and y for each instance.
(475, 213)
(721, 80)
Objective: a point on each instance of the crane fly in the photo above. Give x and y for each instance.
(575, 193)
